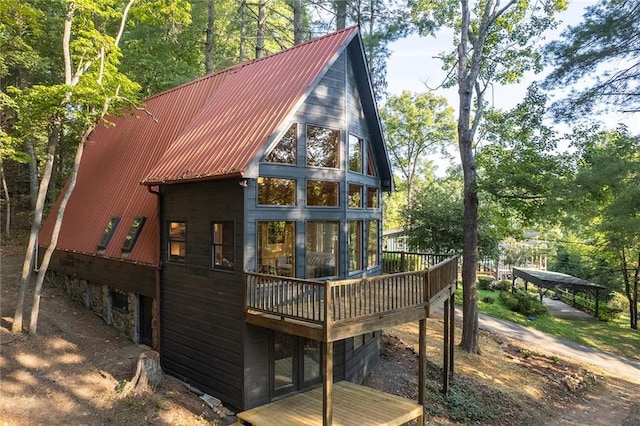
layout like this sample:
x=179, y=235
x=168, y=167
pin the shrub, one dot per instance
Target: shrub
x=504, y=285
x=523, y=303
x=488, y=300
x=609, y=314
x=484, y=282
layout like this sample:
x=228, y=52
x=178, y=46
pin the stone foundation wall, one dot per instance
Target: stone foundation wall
x=98, y=298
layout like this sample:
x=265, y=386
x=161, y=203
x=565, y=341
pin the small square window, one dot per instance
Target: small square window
x=108, y=232
x=322, y=193
x=133, y=234
x=223, y=245
x=355, y=196
x=119, y=300
x=276, y=192
x=177, y=242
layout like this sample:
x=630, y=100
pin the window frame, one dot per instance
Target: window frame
x=269, y=253
x=360, y=144
x=132, y=236
x=358, y=245
x=335, y=250
x=369, y=189
x=333, y=183
x=119, y=300
x=261, y=184
x=361, y=190
x=171, y=258
x=108, y=232
x=222, y=246
x=338, y=149
x=369, y=251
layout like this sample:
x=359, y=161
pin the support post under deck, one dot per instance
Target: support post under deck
x=446, y=347
x=422, y=370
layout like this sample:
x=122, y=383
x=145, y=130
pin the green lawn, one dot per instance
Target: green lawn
x=613, y=337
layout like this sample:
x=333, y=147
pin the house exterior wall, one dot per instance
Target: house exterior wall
x=202, y=325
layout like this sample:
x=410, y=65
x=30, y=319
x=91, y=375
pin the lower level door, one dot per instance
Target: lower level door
x=295, y=364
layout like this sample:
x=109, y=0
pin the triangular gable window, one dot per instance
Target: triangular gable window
x=108, y=232
x=134, y=233
x=371, y=167
x=285, y=151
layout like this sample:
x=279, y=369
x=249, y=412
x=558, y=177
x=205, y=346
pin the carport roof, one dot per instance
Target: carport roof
x=554, y=279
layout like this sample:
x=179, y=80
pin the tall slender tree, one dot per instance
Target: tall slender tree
x=495, y=43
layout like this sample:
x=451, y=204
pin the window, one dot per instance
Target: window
x=355, y=245
x=276, y=248
x=108, y=232
x=119, y=300
x=372, y=244
x=223, y=245
x=276, y=191
x=177, y=242
x=322, y=193
x=355, y=154
x=322, y=249
x=355, y=196
x=323, y=147
x=372, y=197
x=133, y=234
x=285, y=151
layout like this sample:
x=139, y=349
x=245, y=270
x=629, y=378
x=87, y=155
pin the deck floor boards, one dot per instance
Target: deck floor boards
x=352, y=405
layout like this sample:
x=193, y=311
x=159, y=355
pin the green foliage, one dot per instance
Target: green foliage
x=523, y=303
x=503, y=285
x=599, y=59
x=485, y=282
x=488, y=300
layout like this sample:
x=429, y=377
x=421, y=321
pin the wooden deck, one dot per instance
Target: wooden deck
x=335, y=310
x=353, y=405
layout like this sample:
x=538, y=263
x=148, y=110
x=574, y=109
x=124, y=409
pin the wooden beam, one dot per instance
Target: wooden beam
x=446, y=348
x=452, y=327
x=422, y=370
x=327, y=384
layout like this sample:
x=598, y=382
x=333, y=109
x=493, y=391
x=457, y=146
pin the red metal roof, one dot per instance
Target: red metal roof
x=211, y=127
x=233, y=125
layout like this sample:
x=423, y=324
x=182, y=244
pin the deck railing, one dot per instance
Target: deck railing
x=348, y=300
x=400, y=261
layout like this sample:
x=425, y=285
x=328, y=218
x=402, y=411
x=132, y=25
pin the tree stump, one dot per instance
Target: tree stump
x=148, y=374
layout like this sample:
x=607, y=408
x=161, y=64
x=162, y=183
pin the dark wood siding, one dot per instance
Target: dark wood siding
x=360, y=362
x=202, y=323
x=115, y=273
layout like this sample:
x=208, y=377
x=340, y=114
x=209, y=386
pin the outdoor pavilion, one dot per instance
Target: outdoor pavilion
x=551, y=280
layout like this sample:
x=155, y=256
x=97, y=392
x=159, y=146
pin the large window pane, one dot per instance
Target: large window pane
x=355, y=245
x=223, y=244
x=276, y=248
x=276, y=191
x=286, y=150
x=372, y=243
x=355, y=196
x=323, y=147
x=322, y=193
x=355, y=154
x=284, y=352
x=322, y=249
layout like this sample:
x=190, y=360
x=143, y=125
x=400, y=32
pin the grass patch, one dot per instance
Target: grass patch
x=614, y=337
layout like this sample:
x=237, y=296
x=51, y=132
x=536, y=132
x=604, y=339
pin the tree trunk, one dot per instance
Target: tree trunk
x=466, y=80
x=33, y=174
x=208, y=44
x=7, y=200
x=341, y=14
x=44, y=266
x=260, y=32
x=148, y=374
x=29, y=260
x=298, y=31
x=243, y=31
